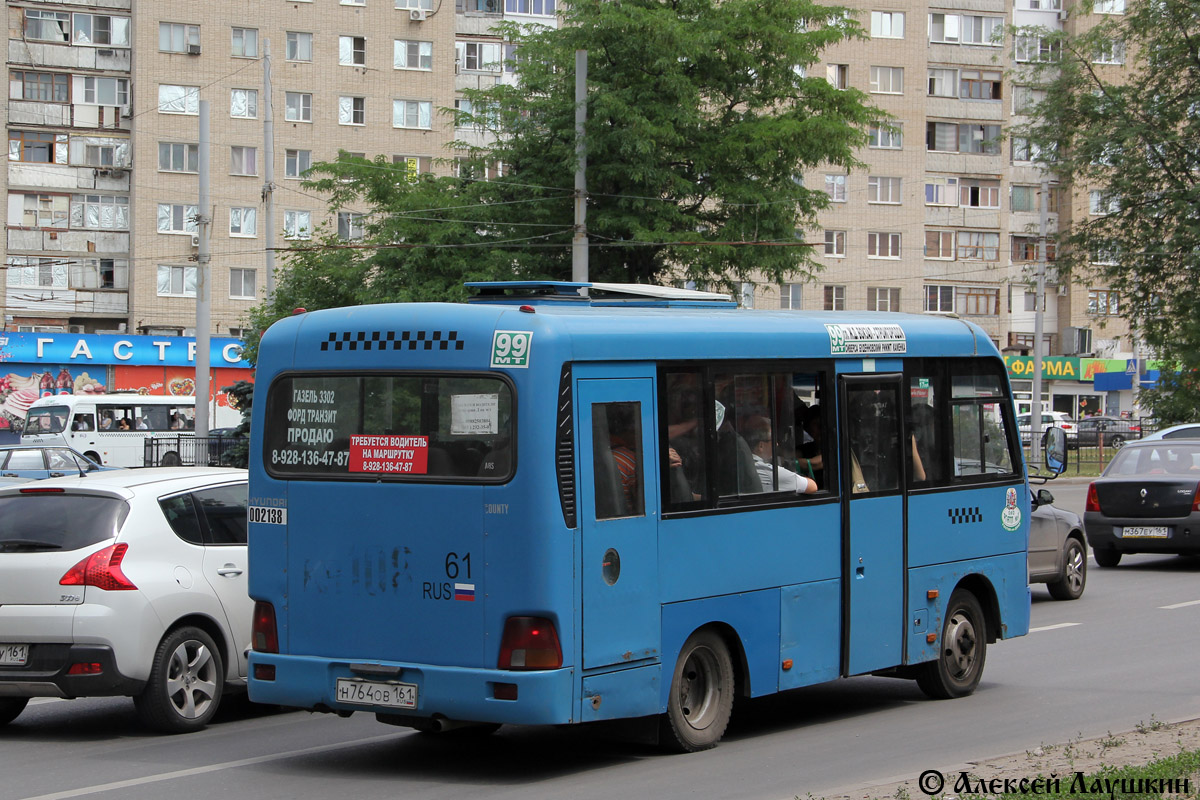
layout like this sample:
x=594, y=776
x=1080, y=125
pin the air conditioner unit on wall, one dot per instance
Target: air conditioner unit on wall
x=195, y=240
x=78, y=329
x=418, y=14
x=193, y=49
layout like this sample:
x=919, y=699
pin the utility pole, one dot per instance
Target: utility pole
x=268, y=191
x=203, y=287
x=579, y=243
x=1035, y=409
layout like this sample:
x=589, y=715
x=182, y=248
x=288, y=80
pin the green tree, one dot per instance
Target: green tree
x=1127, y=140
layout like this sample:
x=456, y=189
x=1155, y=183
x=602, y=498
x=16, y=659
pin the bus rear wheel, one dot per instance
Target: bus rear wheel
x=701, y=697
x=963, y=650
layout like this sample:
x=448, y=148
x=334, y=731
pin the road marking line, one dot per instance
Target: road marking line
x=184, y=773
x=1054, y=627
x=1181, y=605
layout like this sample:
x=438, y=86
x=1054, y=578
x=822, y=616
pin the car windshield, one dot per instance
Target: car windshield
x=1167, y=458
x=56, y=521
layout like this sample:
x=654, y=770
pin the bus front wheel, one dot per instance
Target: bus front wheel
x=963, y=649
x=701, y=696
x=94, y=456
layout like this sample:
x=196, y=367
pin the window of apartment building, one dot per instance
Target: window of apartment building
x=243, y=221
x=243, y=103
x=296, y=163
x=37, y=147
x=100, y=212
x=887, y=24
x=1025, y=248
x=243, y=160
x=974, y=138
x=176, y=218
x=1028, y=198
x=941, y=191
x=176, y=281
x=838, y=75
x=1103, y=303
x=107, y=91
x=835, y=244
x=977, y=301
x=939, y=244
x=978, y=246
x=835, y=298
x=244, y=43
x=352, y=111
x=352, y=2
x=887, y=80
x=352, y=50
x=1100, y=204
x=299, y=46
x=1109, y=7
x=100, y=29
x=242, y=284
x=412, y=114
x=982, y=30
x=174, y=37
x=835, y=187
x=33, y=272
x=883, y=245
x=943, y=82
x=99, y=273
x=544, y=8
x=886, y=137
x=791, y=296
x=979, y=193
x=478, y=56
x=99, y=152
x=883, y=190
x=297, y=106
x=409, y=54
x=1111, y=51
x=178, y=157
x=941, y=136
x=47, y=26
x=939, y=298
x=1024, y=150
x=882, y=299
x=1045, y=5
x=1029, y=48
x=297, y=224
x=350, y=226
x=175, y=99
x=414, y=165
x=29, y=210
x=46, y=87
x=484, y=6
x=944, y=28
x=980, y=84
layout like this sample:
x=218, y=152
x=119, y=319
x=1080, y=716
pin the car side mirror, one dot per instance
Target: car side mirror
x=1056, y=450
x=1044, y=498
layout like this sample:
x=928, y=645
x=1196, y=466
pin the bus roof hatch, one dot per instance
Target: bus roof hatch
x=596, y=294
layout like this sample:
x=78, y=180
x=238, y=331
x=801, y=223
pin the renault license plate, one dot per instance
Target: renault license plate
x=376, y=693
x=1142, y=532
x=14, y=655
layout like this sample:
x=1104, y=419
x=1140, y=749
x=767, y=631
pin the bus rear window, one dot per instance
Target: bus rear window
x=405, y=427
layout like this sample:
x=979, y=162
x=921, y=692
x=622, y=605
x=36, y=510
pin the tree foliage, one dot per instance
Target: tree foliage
x=701, y=121
x=1128, y=139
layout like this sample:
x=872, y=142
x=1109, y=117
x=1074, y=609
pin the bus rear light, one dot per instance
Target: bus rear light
x=504, y=691
x=529, y=643
x=1093, y=499
x=101, y=569
x=264, y=672
x=264, y=635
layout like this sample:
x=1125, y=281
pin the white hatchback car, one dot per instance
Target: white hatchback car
x=129, y=582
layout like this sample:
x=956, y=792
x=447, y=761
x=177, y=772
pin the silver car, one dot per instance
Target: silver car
x=1057, y=550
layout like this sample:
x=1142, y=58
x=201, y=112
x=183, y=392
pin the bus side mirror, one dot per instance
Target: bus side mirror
x=1056, y=451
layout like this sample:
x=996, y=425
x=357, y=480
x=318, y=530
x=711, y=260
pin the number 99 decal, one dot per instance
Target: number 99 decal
x=511, y=348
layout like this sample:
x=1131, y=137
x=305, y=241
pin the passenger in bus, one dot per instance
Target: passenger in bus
x=123, y=425
x=622, y=438
x=142, y=425
x=811, y=460
x=758, y=437
x=684, y=431
x=106, y=421
x=81, y=424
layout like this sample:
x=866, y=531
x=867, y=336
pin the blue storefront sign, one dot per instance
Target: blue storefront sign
x=103, y=349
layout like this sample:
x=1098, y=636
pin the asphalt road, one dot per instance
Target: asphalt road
x=1125, y=653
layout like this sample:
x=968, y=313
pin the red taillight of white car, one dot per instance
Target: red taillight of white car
x=101, y=569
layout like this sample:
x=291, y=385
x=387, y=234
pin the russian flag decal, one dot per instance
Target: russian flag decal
x=464, y=591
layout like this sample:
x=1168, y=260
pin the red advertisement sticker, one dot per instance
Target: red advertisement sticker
x=389, y=455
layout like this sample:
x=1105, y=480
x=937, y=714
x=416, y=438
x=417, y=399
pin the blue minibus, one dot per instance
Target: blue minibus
x=570, y=502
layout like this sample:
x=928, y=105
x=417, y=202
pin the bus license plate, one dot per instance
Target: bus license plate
x=376, y=693
x=14, y=655
x=1141, y=532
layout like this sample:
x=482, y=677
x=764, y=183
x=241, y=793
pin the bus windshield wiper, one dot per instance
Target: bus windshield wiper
x=28, y=544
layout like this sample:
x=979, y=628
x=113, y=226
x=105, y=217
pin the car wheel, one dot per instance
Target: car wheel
x=185, y=683
x=170, y=460
x=963, y=650
x=11, y=708
x=1070, y=584
x=701, y=697
x=1118, y=442
x=1107, y=556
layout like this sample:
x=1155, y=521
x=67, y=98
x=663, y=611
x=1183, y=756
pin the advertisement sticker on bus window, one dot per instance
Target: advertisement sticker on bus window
x=862, y=340
x=474, y=414
x=390, y=455
x=511, y=349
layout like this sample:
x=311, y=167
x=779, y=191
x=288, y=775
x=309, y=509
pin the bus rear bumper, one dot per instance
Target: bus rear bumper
x=542, y=697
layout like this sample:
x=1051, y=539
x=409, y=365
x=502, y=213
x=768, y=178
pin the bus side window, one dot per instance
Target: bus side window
x=924, y=430
x=84, y=422
x=687, y=481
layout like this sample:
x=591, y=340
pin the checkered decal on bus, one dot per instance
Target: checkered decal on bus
x=393, y=340
x=962, y=516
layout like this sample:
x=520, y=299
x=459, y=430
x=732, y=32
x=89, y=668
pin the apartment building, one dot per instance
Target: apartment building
x=103, y=120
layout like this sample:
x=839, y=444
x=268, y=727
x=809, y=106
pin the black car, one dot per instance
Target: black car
x=1146, y=501
x=1106, y=431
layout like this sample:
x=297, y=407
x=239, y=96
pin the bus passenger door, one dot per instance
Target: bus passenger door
x=873, y=477
x=619, y=515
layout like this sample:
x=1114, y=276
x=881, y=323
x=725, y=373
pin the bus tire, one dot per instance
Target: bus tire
x=94, y=456
x=962, y=651
x=170, y=459
x=700, y=701
x=11, y=708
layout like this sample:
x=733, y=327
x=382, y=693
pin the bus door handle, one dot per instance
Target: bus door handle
x=229, y=571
